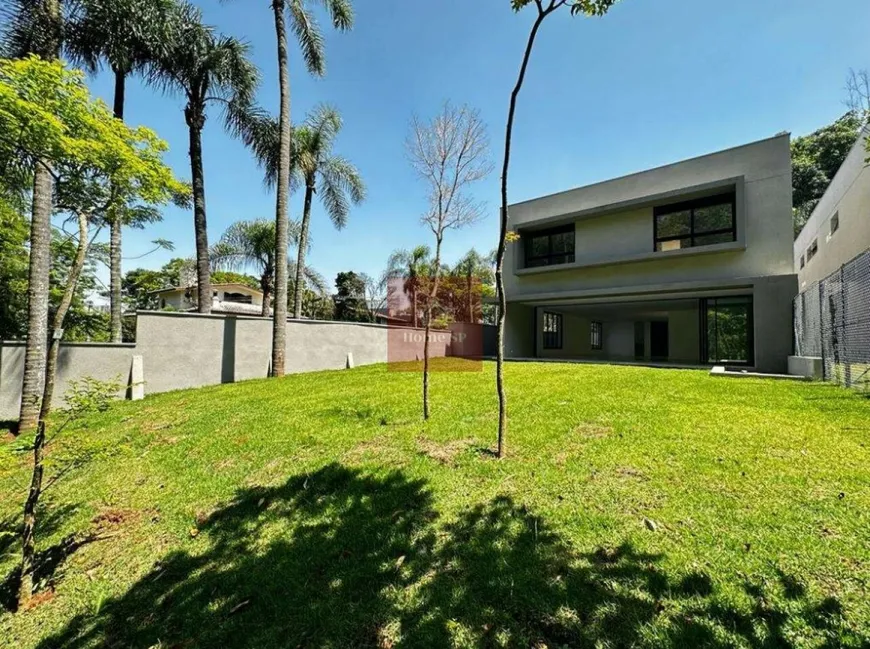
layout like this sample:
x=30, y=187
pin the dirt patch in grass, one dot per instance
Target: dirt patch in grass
x=630, y=472
x=589, y=430
x=444, y=453
x=113, y=517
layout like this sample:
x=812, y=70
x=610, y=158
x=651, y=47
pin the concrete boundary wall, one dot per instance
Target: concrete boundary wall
x=187, y=350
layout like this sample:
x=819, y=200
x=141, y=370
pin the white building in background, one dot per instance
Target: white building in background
x=226, y=298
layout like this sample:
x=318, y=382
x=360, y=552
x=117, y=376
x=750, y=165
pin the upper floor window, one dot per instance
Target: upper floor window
x=552, y=330
x=700, y=222
x=802, y=261
x=835, y=222
x=812, y=250
x=549, y=247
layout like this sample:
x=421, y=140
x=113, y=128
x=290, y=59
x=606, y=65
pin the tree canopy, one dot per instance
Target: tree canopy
x=816, y=158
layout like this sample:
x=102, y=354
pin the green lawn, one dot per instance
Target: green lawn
x=637, y=507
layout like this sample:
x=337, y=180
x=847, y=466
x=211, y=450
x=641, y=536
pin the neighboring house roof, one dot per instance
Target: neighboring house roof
x=173, y=289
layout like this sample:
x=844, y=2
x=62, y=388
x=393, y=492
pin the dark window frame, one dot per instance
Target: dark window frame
x=553, y=338
x=812, y=250
x=691, y=206
x=835, y=223
x=548, y=259
x=596, y=335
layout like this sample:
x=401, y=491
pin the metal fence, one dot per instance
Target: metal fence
x=832, y=321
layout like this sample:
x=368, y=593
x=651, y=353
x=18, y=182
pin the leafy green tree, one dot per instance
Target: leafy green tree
x=310, y=40
x=412, y=266
x=35, y=27
x=815, y=160
x=13, y=274
x=350, y=297
x=544, y=8
x=476, y=272
x=127, y=35
x=205, y=68
x=94, y=160
x=230, y=277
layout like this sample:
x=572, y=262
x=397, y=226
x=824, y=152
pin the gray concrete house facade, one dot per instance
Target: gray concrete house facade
x=686, y=264
x=838, y=230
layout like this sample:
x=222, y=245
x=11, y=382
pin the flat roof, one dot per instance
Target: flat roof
x=786, y=134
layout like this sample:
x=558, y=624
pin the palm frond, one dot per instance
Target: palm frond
x=308, y=35
x=340, y=185
x=341, y=13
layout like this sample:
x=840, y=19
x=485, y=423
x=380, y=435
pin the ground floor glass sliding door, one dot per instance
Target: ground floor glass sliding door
x=726, y=330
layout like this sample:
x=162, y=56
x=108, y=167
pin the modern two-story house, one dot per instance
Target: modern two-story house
x=688, y=264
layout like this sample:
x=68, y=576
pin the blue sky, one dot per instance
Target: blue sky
x=653, y=82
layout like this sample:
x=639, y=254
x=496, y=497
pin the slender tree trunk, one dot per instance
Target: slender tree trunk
x=37, y=298
x=60, y=315
x=303, y=244
x=503, y=221
x=279, y=326
x=470, y=300
x=266, y=287
x=196, y=121
x=115, y=276
x=28, y=548
x=115, y=229
x=414, y=302
x=428, y=326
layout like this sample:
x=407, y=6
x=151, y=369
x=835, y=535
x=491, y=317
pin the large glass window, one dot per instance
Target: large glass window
x=552, y=330
x=549, y=247
x=595, y=335
x=701, y=222
x=726, y=330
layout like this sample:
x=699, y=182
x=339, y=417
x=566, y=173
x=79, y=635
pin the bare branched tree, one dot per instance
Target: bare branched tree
x=375, y=294
x=450, y=153
x=858, y=89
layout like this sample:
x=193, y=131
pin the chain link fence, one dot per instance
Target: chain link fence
x=832, y=321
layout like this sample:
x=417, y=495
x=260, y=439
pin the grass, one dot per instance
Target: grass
x=637, y=507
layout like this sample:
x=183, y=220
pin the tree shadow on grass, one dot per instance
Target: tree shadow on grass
x=344, y=558
x=48, y=560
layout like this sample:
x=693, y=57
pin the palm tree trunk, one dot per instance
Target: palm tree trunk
x=115, y=230
x=503, y=220
x=428, y=326
x=414, y=303
x=195, y=122
x=279, y=325
x=37, y=298
x=266, y=287
x=300, y=254
x=28, y=548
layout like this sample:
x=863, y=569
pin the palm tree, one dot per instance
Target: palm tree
x=250, y=245
x=127, y=35
x=473, y=266
x=35, y=27
x=310, y=39
x=332, y=177
x=205, y=68
x=411, y=266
